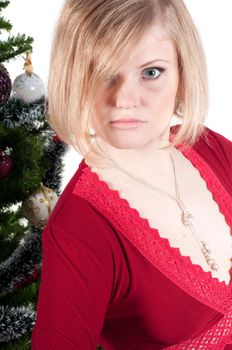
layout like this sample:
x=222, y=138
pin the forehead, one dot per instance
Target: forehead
x=154, y=44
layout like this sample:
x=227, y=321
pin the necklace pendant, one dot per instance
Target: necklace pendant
x=207, y=254
x=205, y=249
x=214, y=267
x=186, y=218
x=212, y=263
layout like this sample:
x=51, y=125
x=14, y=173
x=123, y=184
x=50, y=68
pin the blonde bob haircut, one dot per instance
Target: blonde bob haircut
x=92, y=41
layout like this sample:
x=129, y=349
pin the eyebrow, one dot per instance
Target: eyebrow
x=153, y=61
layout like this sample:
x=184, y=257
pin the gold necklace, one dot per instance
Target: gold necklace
x=186, y=215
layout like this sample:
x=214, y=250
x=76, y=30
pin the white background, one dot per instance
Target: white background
x=213, y=19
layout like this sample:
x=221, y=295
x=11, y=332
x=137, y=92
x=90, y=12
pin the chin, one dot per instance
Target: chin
x=126, y=144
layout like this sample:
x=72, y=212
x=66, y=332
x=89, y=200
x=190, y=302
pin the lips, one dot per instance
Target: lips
x=127, y=120
x=126, y=124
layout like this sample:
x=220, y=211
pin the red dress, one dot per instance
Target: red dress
x=110, y=279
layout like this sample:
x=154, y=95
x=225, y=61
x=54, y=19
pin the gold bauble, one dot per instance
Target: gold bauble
x=39, y=205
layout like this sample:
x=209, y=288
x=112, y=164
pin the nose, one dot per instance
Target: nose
x=126, y=96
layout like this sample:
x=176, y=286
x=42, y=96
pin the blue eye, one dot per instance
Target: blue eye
x=153, y=72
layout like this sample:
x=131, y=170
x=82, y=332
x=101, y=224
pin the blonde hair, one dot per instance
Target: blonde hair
x=93, y=39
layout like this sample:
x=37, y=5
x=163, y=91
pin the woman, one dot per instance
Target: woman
x=137, y=253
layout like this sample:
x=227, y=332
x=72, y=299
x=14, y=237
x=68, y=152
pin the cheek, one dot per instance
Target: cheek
x=165, y=94
x=158, y=99
x=99, y=117
x=162, y=100
x=100, y=108
x=98, y=113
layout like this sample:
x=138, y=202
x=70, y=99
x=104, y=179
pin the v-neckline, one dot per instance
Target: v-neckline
x=127, y=219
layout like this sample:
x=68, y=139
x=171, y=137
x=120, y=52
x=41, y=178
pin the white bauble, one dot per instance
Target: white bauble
x=28, y=87
x=38, y=207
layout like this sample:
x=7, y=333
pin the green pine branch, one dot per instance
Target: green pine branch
x=4, y=4
x=11, y=231
x=14, y=46
x=23, y=296
x=5, y=25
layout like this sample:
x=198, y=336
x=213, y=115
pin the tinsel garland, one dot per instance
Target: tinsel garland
x=15, y=322
x=25, y=261
x=54, y=153
x=17, y=114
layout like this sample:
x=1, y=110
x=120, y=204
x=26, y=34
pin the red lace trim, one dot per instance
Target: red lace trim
x=214, y=339
x=180, y=269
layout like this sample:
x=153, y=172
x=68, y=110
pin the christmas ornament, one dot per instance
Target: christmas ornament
x=6, y=164
x=38, y=207
x=28, y=86
x=56, y=138
x=5, y=84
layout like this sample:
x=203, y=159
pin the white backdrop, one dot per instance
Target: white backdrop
x=213, y=19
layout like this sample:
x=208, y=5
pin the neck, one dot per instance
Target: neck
x=148, y=156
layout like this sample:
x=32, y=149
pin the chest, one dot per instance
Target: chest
x=164, y=214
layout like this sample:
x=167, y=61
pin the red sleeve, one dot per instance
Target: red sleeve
x=217, y=151
x=225, y=147
x=76, y=279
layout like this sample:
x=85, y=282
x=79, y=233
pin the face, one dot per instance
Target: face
x=135, y=108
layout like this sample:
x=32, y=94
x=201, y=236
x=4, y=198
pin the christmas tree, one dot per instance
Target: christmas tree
x=30, y=176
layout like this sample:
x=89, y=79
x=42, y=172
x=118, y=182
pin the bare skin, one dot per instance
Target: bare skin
x=208, y=221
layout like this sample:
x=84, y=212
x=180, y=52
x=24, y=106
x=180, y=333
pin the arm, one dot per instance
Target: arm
x=76, y=283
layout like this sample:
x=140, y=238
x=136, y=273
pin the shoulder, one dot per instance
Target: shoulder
x=212, y=145
x=216, y=150
x=75, y=217
x=78, y=231
x=221, y=144
x=216, y=146
x=72, y=210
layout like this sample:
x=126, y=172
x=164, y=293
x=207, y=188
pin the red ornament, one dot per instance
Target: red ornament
x=5, y=84
x=56, y=138
x=6, y=164
x=29, y=278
